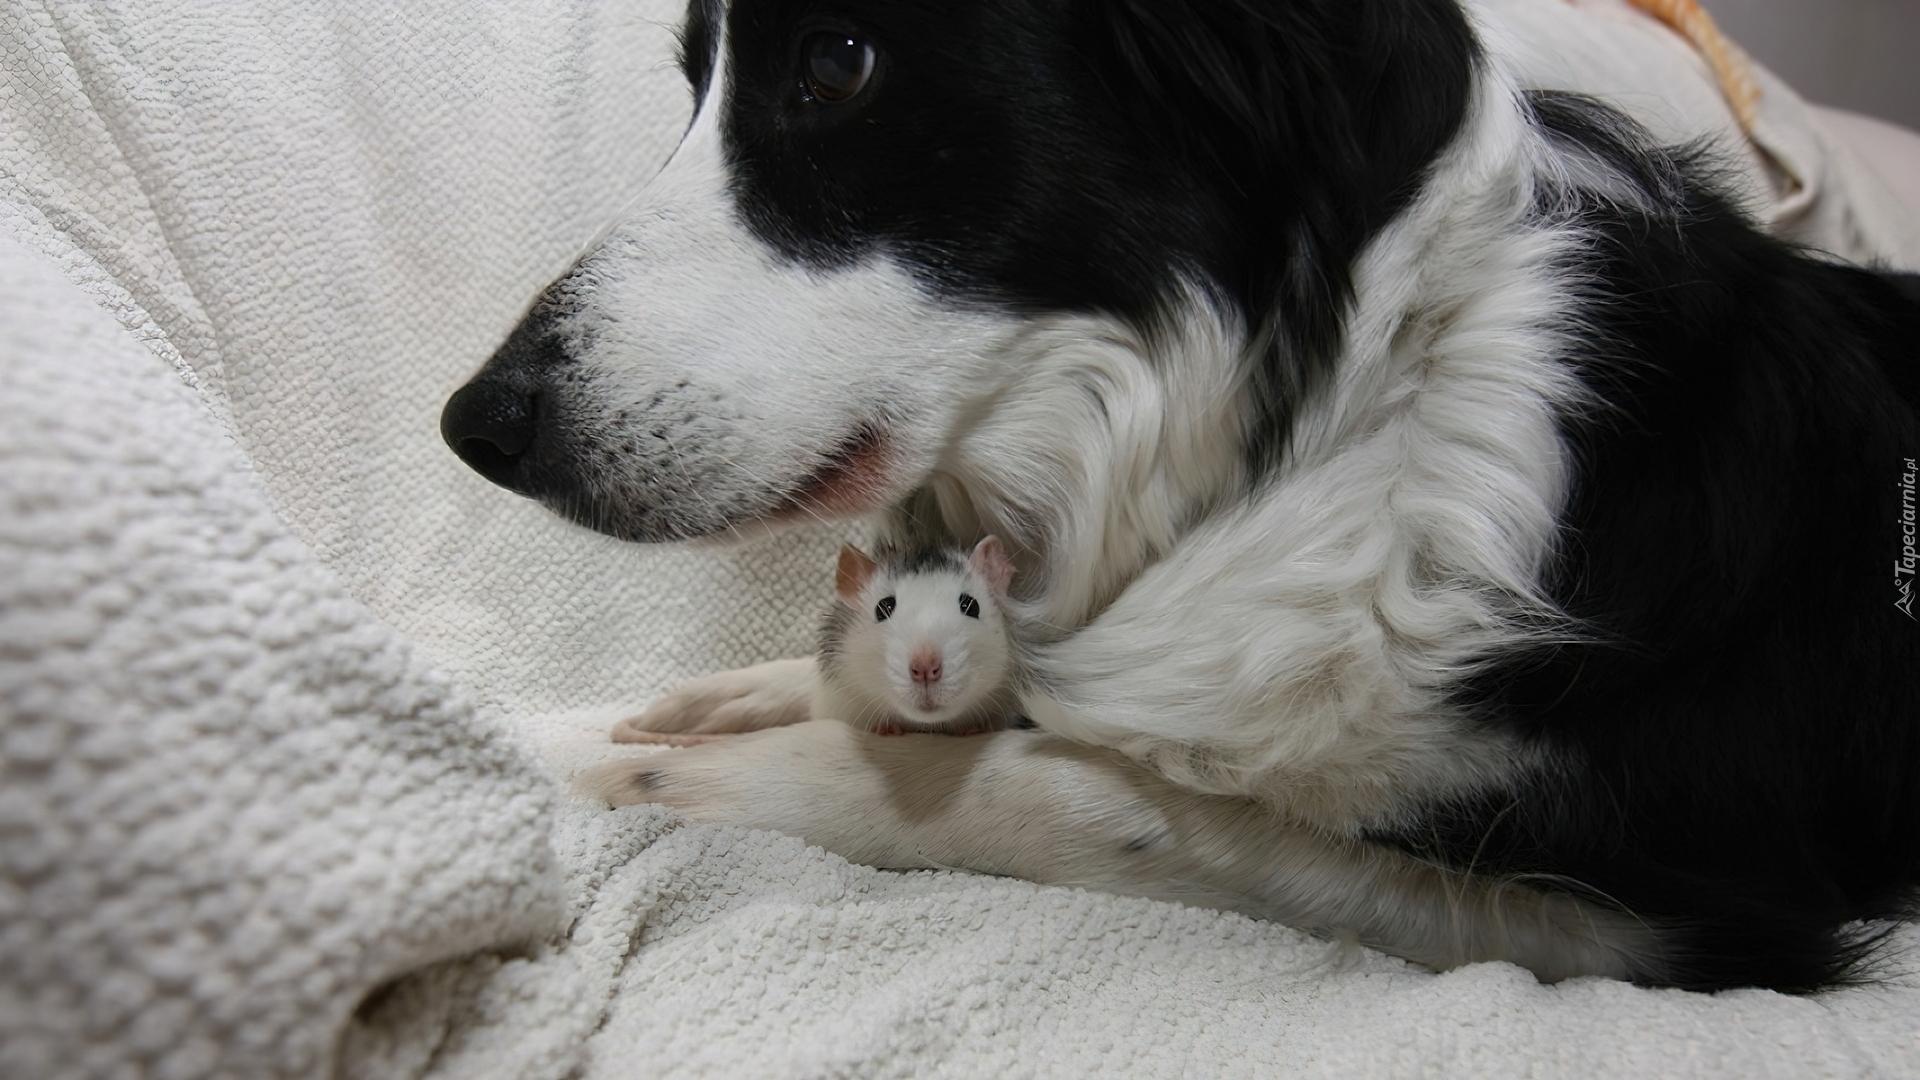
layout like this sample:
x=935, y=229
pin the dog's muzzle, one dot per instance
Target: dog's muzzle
x=543, y=422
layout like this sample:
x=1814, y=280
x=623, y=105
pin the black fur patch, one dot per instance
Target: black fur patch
x=1083, y=155
x=700, y=45
x=1735, y=751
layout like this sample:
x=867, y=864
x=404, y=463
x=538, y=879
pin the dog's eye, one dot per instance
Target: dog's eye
x=883, y=610
x=969, y=606
x=835, y=65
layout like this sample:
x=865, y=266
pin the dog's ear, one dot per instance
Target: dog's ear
x=1314, y=120
x=990, y=562
x=1225, y=67
x=855, y=570
x=1338, y=87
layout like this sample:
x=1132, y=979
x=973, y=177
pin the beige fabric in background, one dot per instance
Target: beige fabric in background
x=323, y=216
x=1803, y=180
x=1891, y=153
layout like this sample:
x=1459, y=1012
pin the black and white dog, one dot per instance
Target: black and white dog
x=1441, y=517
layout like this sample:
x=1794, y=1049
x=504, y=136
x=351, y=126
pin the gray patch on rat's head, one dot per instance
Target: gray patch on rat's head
x=893, y=563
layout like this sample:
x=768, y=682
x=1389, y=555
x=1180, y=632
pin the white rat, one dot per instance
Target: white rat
x=919, y=642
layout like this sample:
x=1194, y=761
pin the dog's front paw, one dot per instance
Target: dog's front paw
x=822, y=781
x=710, y=782
x=773, y=694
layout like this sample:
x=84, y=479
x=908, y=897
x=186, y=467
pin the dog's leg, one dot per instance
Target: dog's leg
x=772, y=694
x=1033, y=806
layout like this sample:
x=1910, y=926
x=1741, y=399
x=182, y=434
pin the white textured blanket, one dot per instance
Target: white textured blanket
x=291, y=697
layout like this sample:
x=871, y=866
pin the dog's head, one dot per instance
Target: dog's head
x=841, y=267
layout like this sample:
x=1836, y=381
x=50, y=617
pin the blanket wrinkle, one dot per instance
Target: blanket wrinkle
x=234, y=801
x=291, y=699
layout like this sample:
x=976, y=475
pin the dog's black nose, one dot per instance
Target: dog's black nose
x=494, y=421
x=490, y=423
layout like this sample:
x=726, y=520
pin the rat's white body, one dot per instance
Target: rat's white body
x=939, y=660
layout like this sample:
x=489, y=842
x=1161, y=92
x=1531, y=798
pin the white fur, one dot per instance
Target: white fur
x=736, y=374
x=1271, y=661
x=772, y=694
x=1296, y=646
x=1031, y=806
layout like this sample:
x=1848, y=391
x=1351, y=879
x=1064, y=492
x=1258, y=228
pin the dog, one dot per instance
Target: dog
x=1441, y=517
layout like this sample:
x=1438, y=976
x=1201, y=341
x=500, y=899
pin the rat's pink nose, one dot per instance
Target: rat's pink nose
x=925, y=667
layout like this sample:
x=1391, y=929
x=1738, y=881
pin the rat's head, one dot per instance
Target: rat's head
x=889, y=218
x=925, y=633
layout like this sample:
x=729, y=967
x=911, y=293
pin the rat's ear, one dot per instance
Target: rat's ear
x=854, y=573
x=989, y=560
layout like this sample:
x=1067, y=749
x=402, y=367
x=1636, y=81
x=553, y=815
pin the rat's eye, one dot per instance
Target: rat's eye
x=883, y=610
x=969, y=606
x=835, y=65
